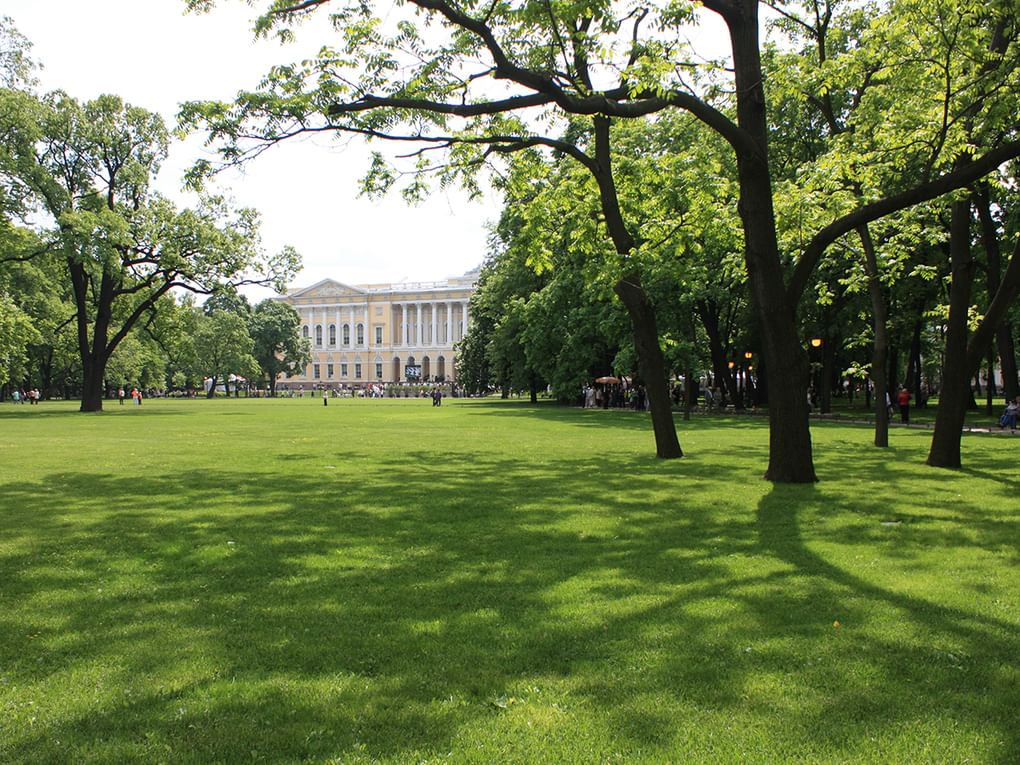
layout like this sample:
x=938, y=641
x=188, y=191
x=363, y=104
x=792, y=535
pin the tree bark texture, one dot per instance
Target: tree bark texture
x=790, y=458
x=955, y=392
x=639, y=308
x=651, y=364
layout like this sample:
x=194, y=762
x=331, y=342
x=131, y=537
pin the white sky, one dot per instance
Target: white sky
x=154, y=56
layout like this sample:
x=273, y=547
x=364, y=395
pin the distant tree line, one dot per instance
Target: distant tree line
x=96, y=267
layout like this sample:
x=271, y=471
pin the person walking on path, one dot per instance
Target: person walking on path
x=903, y=399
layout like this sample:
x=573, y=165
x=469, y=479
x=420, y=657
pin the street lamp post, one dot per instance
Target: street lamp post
x=748, y=391
x=816, y=343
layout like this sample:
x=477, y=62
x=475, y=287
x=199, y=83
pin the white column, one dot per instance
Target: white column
x=368, y=330
x=449, y=323
x=433, y=340
x=420, y=329
x=339, y=329
x=465, y=316
x=403, y=323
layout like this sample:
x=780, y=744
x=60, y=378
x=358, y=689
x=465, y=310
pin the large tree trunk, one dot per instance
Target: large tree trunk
x=790, y=459
x=651, y=364
x=94, y=351
x=955, y=393
x=92, y=385
x=635, y=300
x=880, y=327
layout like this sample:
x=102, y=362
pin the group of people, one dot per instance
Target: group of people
x=19, y=396
x=604, y=396
x=136, y=396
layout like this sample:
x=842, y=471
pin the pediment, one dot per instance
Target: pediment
x=327, y=288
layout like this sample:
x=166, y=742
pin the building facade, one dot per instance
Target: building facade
x=382, y=333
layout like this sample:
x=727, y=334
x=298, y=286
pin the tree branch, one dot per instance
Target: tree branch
x=955, y=179
x=299, y=7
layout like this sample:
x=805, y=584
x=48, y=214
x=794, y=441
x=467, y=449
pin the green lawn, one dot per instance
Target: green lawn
x=487, y=582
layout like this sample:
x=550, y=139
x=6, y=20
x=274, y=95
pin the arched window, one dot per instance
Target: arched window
x=318, y=334
x=332, y=334
x=361, y=334
x=304, y=331
x=347, y=334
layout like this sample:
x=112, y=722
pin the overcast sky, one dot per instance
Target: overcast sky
x=154, y=56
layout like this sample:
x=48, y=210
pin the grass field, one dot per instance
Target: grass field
x=487, y=582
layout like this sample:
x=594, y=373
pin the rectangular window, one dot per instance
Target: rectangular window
x=343, y=370
x=315, y=371
x=378, y=335
x=329, y=371
x=357, y=371
x=378, y=371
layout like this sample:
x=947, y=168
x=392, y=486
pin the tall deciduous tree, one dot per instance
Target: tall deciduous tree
x=500, y=69
x=16, y=65
x=223, y=347
x=279, y=348
x=90, y=167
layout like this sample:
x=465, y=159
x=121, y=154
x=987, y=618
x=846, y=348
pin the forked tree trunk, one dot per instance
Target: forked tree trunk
x=790, y=459
x=1003, y=336
x=963, y=357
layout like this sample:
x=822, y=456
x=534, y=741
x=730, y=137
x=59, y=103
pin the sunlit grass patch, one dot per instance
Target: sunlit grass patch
x=384, y=581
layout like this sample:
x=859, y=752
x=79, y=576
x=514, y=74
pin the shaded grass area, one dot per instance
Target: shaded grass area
x=381, y=581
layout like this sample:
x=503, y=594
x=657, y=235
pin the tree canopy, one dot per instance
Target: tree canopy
x=88, y=169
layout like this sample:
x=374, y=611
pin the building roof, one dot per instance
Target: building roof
x=333, y=288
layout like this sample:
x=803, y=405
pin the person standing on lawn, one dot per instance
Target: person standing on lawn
x=903, y=399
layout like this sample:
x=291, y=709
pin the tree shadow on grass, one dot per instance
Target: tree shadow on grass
x=229, y=616
x=561, y=413
x=956, y=664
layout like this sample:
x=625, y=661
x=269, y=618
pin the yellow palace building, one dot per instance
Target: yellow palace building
x=382, y=333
